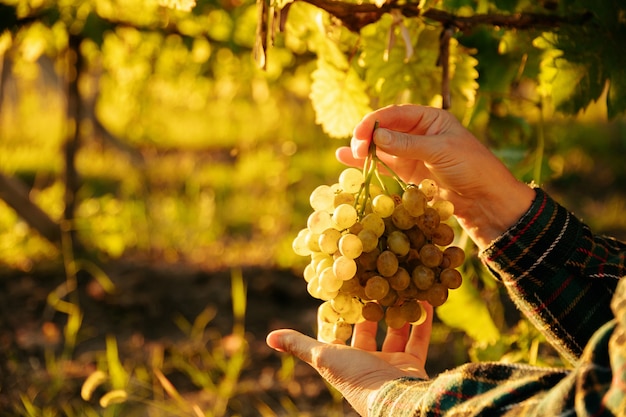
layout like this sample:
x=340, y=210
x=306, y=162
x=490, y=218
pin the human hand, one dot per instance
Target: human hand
x=419, y=142
x=359, y=371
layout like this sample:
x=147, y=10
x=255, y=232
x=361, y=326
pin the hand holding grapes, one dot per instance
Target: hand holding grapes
x=359, y=371
x=419, y=142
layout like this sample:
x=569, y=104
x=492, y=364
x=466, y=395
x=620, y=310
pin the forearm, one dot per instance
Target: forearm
x=558, y=273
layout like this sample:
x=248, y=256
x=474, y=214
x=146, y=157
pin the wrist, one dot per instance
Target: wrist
x=489, y=217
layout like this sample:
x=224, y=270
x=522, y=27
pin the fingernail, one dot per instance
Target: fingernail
x=382, y=137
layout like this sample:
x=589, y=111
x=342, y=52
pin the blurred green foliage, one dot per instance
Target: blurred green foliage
x=189, y=153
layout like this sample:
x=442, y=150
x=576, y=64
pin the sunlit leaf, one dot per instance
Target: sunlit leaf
x=338, y=98
x=465, y=310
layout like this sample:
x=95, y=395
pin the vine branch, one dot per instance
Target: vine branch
x=356, y=16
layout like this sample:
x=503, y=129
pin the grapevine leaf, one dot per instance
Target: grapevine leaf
x=338, y=98
x=465, y=310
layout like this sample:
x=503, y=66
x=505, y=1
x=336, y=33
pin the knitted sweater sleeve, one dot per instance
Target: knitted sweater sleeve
x=567, y=281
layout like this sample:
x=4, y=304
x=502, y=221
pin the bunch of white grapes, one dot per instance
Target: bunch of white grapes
x=375, y=256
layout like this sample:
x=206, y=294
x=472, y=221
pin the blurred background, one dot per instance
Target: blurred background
x=154, y=172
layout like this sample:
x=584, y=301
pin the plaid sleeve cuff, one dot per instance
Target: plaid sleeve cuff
x=539, y=244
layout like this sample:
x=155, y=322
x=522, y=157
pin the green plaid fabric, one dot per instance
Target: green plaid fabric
x=569, y=284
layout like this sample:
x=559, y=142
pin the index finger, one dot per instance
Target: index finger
x=406, y=118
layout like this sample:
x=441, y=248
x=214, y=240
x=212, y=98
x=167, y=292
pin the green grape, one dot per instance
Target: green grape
x=341, y=303
x=414, y=312
x=343, y=198
x=394, y=317
x=454, y=256
x=354, y=313
x=411, y=311
x=327, y=314
x=437, y=294
x=400, y=280
x=429, y=188
x=376, y=288
x=375, y=223
x=313, y=287
x=401, y=218
x=387, y=263
x=430, y=255
x=390, y=299
x=383, y=205
x=328, y=240
x=342, y=331
x=398, y=243
x=344, y=268
x=444, y=208
x=451, y=278
x=350, y=246
x=311, y=240
x=344, y=216
x=321, y=199
x=309, y=272
x=428, y=221
x=319, y=221
x=322, y=263
x=414, y=201
x=351, y=179
x=325, y=332
x=328, y=281
x=442, y=235
x=351, y=287
x=367, y=260
x=372, y=311
x=300, y=245
x=423, y=277
x=416, y=237
x=368, y=239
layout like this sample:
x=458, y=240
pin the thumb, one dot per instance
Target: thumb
x=291, y=341
x=422, y=147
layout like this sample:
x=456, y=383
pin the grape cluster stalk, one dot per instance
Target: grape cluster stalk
x=375, y=255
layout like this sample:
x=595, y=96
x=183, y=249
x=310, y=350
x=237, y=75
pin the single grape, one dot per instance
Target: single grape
x=319, y=221
x=437, y=294
x=351, y=287
x=351, y=180
x=341, y=303
x=451, y=278
x=442, y=235
x=350, y=246
x=428, y=221
x=325, y=332
x=423, y=277
x=312, y=243
x=376, y=287
x=398, y=243
x=444, y=208
x=416, y=237
x=454, y=255
x=394, y=317
x=342, y=331
x=369, y=240
x=343, y=198
x=327, y=314
x=322, y=263
x=390, y=299
x=414, y=201
x=328, y=240
x=383, y=205
x=328, y=281
x=313, y=287
x=354, y=312
x=309, y=272
x=400, y=280
x=430, y=255
x=372, y=311
x=356, y=228
x=429, y=188
x=411, y=310
x=300, y=245
x=387, y=263
x=375, y=223
x=344, y=216
x=367, y=260
x=322, y=198
x=401, y=218
x=344, y=268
